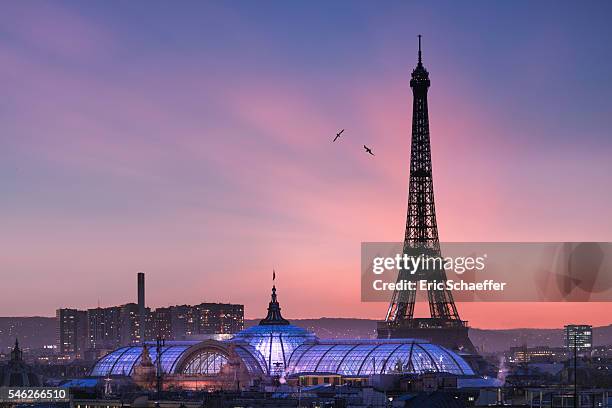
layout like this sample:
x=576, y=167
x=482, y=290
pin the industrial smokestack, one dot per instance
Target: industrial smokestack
x=141, y=306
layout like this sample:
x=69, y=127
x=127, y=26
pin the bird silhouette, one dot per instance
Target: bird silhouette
x=368, y=150
x=338, y=135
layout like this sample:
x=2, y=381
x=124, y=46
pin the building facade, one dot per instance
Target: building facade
x=129, y=323
x=71, y=331
x=536, y=354
x=104, y=327
x=579, y=336
x=186, y=322
x=159, y=324
x=112, y=327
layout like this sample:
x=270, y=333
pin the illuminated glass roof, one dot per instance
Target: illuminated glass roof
x=123, y=360
x=277, y=348
x=363, y=357
x=273, y=344
x=291, y=350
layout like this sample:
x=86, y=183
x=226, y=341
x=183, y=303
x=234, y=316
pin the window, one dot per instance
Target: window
x=205, y=362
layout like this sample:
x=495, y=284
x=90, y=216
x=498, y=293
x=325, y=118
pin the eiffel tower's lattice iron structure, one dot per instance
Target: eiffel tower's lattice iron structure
x=421, y=237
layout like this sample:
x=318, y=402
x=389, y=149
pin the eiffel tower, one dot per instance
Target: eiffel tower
x=444, y=327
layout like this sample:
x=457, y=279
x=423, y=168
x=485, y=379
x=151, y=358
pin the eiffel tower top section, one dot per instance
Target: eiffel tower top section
x=420, y=76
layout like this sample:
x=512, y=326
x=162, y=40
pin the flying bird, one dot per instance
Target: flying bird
x=368, y=150
x=338, y=135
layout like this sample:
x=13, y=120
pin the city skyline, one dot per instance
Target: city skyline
x=195, y=146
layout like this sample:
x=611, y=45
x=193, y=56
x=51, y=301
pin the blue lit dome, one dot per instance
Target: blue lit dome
x=360, y=358
x=274, y=338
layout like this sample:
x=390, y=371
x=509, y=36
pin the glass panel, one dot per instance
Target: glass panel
x=262, y=345
x=290, y=343
x=277, y=357
x=205, y=363
x=253, y=363
x=125, y=363
x=354, y=359
x=377, y=359
x=295, y=357
x=275, y=343
x=443, y=361
x=256, y=355
x=104, y=366
x=330, y=362
x=463, y=365
x=311, y=358
x=398, y=360
x=170, y=356
x=421, y=361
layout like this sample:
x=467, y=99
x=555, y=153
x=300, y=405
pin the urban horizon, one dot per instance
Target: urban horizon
x=421, y=305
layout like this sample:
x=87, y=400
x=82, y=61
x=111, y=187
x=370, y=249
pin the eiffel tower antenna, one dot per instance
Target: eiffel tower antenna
x=420, y=59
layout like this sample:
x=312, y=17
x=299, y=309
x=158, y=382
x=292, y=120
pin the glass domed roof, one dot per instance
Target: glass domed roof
x=280, y=349
x=366, y=357
x=274, y=338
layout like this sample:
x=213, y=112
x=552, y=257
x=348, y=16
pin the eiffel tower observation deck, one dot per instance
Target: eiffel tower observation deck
x=444, y=326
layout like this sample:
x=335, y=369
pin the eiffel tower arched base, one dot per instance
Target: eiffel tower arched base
x=451, y=334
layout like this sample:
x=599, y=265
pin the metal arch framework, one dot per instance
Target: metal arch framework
x=321, y=358
x=431, y=358
x=207, y=362
x=193, y=356
x=176, y=358
x=223, y=350
x=345, y=355
x=125, y=358
x=254, y=357
x=310, y=346
x=366, y=358
x=410, y=362
x=384, y=367
x=119, y=359
x=347, y=358
x=455, y=361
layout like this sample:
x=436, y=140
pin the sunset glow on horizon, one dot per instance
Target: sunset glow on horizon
x=193, y=143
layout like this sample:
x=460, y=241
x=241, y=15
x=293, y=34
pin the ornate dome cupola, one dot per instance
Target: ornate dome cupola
x=274, y=338
x=274, y=316
x=17, y=373
x=16, y=353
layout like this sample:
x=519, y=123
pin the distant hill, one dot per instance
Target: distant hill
x=32, y=332
x=498, y=340
x=35, y=332
x=334, y=328
x=487, y=340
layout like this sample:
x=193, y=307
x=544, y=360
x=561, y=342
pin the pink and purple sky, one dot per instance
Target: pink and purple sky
x=192, y=141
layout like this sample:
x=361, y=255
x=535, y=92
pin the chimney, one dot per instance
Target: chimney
x=141, y=306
